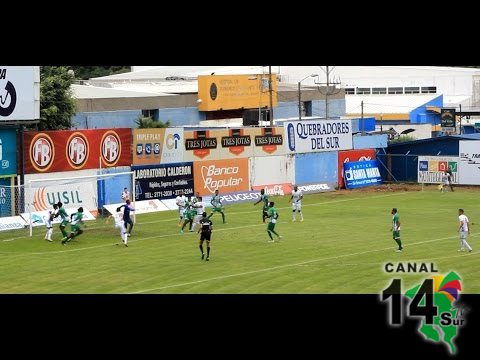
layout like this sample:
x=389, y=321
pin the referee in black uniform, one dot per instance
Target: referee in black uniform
x=206, y=234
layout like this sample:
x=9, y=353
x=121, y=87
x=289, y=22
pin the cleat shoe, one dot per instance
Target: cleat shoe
x=470, y=250
x=126, y=245
x=301, y=220
x=399, y=250
x=271, y=241
x=460, y=250
x=207, y=259
x=293, y=220
x=181, y=231
x=203, y=256
x=280, y=237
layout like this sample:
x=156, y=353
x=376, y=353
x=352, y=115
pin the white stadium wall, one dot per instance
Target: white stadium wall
x=271, y=170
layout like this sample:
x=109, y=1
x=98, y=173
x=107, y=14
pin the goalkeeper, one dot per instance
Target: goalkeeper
x=297, y=197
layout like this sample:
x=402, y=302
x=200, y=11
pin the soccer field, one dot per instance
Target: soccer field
x=340, y=248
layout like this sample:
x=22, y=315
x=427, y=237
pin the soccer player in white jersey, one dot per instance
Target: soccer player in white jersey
x=120, y=225
x=200, y=207
x=297, y=197
x=464, y=230
x=125, y=194
x=49, y=223
x=181, y=200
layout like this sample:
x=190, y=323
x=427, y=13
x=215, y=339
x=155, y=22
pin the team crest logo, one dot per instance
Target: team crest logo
x=42, y=152
x=110, y=148
x=8, y=100
x=77, y=150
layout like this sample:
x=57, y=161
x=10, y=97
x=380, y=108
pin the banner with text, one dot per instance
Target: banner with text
x=42, y=195
x=318, y=135
x=12, y=223
x=225, y=175
x=361, y=173
x=157, y=146
x=141, y=207
x=352, y=156
x=65, y=150
x=431, y=169
x=469, y=164
x=163, y=181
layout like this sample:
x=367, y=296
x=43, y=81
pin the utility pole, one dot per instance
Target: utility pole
x=327, y=71
x=460, y=127
x=361, y=121
x=271, y=95
x=299, y=102
x=326, y=94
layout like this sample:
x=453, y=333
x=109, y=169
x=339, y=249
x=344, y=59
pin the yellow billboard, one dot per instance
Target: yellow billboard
x=228, y=92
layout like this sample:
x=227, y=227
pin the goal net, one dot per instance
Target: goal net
x=91, y=192
x=11, y=206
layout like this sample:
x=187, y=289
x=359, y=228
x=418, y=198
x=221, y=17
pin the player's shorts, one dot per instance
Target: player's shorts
x=217, y=209
x=205, y=236
x=181, y=212
x=463, y=235
x=197, y=219
x=270, y=226
x=64, y=223
x=396, y=235
x=297, y=205
x=75, y=228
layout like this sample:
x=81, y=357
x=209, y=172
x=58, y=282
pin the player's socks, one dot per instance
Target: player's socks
x=201, y=249
x=275, y=232
x=269, y=234
x=223, y=217
x=208, y=252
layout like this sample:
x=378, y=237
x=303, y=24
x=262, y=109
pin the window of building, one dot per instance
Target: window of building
x=412, y=90
x=151, y=113
x=429, y=90
x=349, y=91
x=363, y=91
x=395, y=90
x=377, y=91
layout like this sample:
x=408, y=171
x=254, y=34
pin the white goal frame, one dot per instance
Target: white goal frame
x=52, y=181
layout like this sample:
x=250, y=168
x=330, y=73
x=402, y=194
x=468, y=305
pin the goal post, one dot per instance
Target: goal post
x=91, y=192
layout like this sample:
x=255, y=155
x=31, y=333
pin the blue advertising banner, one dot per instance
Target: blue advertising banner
x=361, y=173
x=163, y=181
x=8, y=152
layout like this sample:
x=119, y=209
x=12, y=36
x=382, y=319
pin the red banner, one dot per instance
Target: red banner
x=351, y=156
x=67, y=150
x=275, y=189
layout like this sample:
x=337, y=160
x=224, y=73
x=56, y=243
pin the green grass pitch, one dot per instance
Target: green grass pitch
x=340, y=248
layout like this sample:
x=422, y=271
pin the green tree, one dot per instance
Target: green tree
x=402, y=138
x=149, y=123
x=57, y=105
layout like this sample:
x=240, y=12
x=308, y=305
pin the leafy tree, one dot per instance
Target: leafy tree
x=57, y=105
x=87, y=72
x=149, y=123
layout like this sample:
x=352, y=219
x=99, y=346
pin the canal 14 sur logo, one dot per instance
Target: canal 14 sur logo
x=434, y=301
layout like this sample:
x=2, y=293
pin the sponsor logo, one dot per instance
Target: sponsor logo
x=236, y=142
x=291, y=137
x=201, y=144
x=42, y=152
x=172, y=141
x=43, y=200
x=148, y=149
x=8, y=98
x=240, y=197
x=314, y=188
x=77, y=149
x=111, y=148
x=361, y=158
x=139, y=149
x=12, y=222
x=219, y=177
x=213, y=91
x=276, y=189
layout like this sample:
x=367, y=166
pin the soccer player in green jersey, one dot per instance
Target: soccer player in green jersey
x=63, y=214
x=74, y=225
x=188, y=214
x=217, y=206
x=264, y=198
x=273, y=215
x=396, y=229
